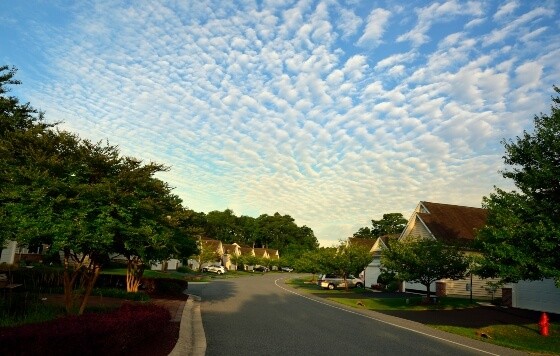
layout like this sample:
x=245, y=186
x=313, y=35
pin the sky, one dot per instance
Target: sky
x=332, y=112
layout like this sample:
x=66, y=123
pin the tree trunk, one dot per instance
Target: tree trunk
x=70, y=276
x=89, y=287
x=428, y=296
x=134, y=273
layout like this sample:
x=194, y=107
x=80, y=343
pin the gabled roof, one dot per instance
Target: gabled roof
x=449, y=223
x=273, y=254
x=230, y=248
x=260, y=252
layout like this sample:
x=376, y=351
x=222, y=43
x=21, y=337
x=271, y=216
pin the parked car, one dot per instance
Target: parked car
x=260, y=269
x=214, y=269
x=287, y=269
x=332, y=281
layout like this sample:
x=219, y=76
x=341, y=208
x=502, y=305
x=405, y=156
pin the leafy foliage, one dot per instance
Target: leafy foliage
x=424, y=261
x=521, y=239
x=390, y=224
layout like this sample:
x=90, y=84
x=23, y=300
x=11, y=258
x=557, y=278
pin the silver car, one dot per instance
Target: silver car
x=331, y=281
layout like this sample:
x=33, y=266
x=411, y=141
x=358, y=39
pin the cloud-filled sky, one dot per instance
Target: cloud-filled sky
x=333, y=112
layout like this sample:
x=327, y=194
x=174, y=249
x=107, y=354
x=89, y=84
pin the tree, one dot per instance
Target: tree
x=364, y=233
x=392, y=223
x=148, y=220
x=18, y=124
x=424, y=261
x=310, y=261
x=345, y=260
x=521, y=238
x=207, y=253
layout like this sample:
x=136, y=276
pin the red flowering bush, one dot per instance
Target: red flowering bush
x=90, y=334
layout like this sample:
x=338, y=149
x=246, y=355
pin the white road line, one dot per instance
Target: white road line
x=381, y=321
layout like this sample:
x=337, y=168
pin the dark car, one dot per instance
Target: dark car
x=260, y=269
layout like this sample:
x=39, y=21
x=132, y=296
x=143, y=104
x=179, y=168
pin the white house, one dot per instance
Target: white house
x=375, y=247
x=453, y=224
x=533, y=295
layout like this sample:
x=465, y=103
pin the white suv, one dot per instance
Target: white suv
x=214, y=269
x=331, y=281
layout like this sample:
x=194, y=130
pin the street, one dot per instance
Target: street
x=261, y=315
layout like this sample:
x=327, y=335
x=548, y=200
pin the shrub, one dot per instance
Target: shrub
x=184, y=269
x=164, y=286
x=90, y=334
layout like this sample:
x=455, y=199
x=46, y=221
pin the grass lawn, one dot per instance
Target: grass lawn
x=519, y=336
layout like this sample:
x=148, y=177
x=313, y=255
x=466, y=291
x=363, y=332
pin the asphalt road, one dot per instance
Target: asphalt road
x=261, y=315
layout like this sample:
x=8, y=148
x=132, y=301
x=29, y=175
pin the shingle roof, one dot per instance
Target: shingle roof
x=450, y=223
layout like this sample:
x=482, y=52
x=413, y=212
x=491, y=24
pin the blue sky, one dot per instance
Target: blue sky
x=334, y=112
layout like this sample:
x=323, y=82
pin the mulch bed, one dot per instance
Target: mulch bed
x=166, y=340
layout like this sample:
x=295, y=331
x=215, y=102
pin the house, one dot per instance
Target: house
x=12, y=254
x=533, y=295
x=453, y=224
x=210, y=248
x=375, y=247
x=230, y=250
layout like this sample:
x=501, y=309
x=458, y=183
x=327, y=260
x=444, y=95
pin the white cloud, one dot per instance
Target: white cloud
x=434, y=13
x=506, y=9
x=375, y=28
x=269, y=107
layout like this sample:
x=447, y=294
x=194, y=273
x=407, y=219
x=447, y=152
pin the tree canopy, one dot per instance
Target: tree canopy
x=279, y=232
x=79, y=197
x=424, y=261
x=521, y=238
x=389, y=224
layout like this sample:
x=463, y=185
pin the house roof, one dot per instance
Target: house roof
x=246, y=250
x=230, y=248
x=452, y=223
x=260, y=252
x=273, y=254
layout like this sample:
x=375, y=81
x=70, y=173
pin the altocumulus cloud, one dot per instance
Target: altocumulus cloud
x=332, y=112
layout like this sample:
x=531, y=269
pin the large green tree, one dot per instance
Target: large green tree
x=79, y=197
x=521, y=238
x=148, y=220
x=424, y=261
x=391, y=223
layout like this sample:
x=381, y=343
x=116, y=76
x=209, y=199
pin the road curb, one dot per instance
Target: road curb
x=192, y=339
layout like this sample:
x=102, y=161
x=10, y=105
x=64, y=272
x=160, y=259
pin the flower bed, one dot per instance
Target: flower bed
x=112, y=333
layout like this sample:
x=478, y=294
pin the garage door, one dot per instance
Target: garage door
x=537, y=295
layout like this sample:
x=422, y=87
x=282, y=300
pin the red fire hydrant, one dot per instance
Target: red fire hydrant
x=543, y=324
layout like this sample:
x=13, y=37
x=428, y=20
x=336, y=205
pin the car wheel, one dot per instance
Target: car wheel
x=331, y=286
x=359, y=285
x=219, y=272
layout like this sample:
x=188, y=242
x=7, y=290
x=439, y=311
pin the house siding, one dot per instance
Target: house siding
x=480, y=290
x=536, y=295
x=419, y=230
x=8, y=253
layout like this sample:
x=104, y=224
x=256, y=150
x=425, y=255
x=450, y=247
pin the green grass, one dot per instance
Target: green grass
x=522, y=337
x=33, y=314
x=120, y=293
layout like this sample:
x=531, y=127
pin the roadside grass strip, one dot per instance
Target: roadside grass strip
x=521, y=337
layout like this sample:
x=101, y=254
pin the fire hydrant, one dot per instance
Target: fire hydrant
x=543, y=324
